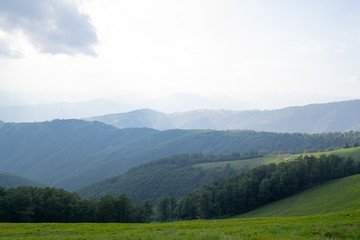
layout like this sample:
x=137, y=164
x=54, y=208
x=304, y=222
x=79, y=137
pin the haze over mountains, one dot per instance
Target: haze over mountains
x=314, y=118
x=34, y=106
x=12, y=181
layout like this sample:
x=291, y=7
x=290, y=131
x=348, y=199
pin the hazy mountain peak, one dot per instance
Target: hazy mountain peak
x=314, y=118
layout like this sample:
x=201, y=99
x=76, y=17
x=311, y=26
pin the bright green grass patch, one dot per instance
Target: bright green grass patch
x=348, y=152
x=335, y=196
x=241, y=164
x=255, y=162
x=344, y=225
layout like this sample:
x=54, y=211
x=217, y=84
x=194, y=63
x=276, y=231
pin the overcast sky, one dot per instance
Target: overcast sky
x=94, y=48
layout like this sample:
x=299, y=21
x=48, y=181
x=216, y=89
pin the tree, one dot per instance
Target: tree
x=124, y=209
x=205, y=205
x=106, y=209
x=166, y=208
x=143, y=212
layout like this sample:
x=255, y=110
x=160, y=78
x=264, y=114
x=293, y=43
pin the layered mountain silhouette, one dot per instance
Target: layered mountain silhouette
x=315, y=118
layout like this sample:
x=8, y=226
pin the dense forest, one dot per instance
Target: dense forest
x=32, y=204
x=262, y=185
x=223, y=197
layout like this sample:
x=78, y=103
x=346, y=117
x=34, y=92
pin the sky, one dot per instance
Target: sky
x=289, y=51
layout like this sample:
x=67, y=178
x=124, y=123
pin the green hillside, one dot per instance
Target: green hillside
x=12, y=181
x=174, y=176
x=71, y=154
x=335, y=196
x=181, y=174
x=244, y=164
x=251, y=163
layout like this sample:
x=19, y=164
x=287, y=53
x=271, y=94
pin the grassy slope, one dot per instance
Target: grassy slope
x=241, y=164
x=251, y=163
x=335, y=196
x=344, y=225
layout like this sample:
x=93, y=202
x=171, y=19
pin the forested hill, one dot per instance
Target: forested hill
x=72, y=153
x=13, y=181
x=181, y=174
x=175, y=176
x=314, y=118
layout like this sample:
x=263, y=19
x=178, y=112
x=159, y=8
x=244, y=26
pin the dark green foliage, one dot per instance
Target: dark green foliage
x=261, y=185
x=71, y=153
x=29, y=204
x=166, y=208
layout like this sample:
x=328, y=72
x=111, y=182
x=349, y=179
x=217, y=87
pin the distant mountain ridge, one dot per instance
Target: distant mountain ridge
x=315, y=118
x=8, y=180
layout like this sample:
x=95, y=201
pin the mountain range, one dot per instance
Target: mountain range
x=315, y=118
x=43, y=106
x=71, y=154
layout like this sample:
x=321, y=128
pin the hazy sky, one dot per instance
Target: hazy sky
x=96, y=48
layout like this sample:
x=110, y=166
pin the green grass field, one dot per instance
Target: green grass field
x=255, y=162
x=335, y=196
x=345, y=225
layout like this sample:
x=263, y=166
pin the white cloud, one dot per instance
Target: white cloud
x=161, y=47
x=50, y=26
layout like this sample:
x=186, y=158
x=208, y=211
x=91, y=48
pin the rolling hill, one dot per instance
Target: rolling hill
x=179, y=175
x=315, y=118
x=174, y=176
x=13, y=181
x=335, y=196
x=251, y=163
x=71, y=154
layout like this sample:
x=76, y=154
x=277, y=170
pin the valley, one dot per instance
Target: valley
x=71, y=154
x=206, y=120
x=238, y=177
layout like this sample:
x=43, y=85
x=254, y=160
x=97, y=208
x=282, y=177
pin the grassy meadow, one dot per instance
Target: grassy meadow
x=334, y=196
x=345, y=225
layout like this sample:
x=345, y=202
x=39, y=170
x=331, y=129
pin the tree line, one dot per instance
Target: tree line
x=223, y=197
x=33, y=204
x=259, y=186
